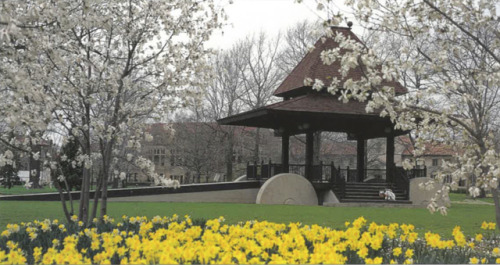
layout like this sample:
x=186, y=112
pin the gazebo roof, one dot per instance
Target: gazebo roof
x=316, y=111
x=312, y=67
x=305, y=110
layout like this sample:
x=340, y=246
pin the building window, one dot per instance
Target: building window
x=434, y=162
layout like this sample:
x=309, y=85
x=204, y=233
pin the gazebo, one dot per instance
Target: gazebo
x=306, y=111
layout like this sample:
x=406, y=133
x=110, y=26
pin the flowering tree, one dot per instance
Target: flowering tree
x=450, y=49
x=97, y=70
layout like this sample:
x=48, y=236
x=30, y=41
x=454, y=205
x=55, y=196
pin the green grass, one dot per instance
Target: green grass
x=22, y=190
x=463, y=196
x=468, y=216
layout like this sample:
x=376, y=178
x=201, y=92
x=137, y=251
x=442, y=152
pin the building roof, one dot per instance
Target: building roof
x=431, y=149
x=311, y=66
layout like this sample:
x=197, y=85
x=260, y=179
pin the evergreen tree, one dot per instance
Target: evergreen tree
x=8, y=173
x=71, y=170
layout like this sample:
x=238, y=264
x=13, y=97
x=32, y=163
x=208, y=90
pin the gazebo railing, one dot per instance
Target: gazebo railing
x=328, y=173
x=262, y=171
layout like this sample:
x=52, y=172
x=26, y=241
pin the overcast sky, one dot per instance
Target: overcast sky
x=250, y=16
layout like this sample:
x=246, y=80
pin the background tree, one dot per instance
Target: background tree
x=224, y=97
x=71, y=170
x=8, y=171
x=261, y=76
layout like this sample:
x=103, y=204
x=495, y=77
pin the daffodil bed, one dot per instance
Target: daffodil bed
x=167, y=240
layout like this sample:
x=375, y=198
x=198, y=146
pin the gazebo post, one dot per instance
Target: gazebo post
x=360, y=153
x=285, y=152
x=389, y=160
x=309, y=154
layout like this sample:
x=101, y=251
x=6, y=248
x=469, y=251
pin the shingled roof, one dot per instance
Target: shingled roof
x=321, y=111
x=312, y=67
x=320, y=103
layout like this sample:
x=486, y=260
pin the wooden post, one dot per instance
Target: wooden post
x=285, y=152
x=361, y=160
x=269, y=169
x=389, y=160
x=321, y=170
x=255, y=170
x=309, y=155
x=332, y=172
x=348, y=174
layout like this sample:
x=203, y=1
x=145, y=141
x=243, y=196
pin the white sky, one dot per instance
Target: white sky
x=246, y=17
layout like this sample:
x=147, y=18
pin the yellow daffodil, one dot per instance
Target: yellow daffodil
x=473, y=260
x=397, y=251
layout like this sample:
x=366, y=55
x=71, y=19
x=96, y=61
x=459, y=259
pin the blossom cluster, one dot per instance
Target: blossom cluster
x=167, y=240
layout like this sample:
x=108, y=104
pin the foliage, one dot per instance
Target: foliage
x=166, y=240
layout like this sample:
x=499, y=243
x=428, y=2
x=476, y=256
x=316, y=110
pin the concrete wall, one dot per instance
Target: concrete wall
x=231, y=196
x=187, y=189
x=419, y=196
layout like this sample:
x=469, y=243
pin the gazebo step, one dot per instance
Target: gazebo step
x=361, y=193
x=374, y=201
x=368, y=186
x=374, y=189
x=369, y=196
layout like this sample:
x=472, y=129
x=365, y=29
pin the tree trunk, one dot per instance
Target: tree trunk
x=106, y=165
x=63, y=201
x=494, y=192
x=34, y=165
x=317, y=148
x=84, y=196
x=229, y=155
x=97, y=194
x=256, y=149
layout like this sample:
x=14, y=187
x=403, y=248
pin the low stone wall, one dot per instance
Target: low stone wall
x=422, y=197
x=147, y=191
x=230, y=196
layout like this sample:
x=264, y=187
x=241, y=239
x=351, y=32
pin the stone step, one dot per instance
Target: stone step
x=368, y=184
x=370, y=193
x=369, y=187
x=374, y=197
x=374, y=201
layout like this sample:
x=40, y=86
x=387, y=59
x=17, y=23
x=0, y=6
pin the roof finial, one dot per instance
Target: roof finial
x=349, y=24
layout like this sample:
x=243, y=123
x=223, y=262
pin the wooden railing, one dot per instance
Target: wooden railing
x=262, y=171
x=328, y=173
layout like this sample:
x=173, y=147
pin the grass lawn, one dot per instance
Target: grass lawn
x=463, y=196
x=468, y=216
x=22, y=190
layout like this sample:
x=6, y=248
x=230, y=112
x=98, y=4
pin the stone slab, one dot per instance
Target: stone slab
x=422, y=197
x=330, y=198
x=287, y=188
x=241, y=178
